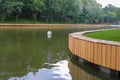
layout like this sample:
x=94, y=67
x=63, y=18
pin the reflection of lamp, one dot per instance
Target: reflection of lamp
x=49, y=51
x=49, y=34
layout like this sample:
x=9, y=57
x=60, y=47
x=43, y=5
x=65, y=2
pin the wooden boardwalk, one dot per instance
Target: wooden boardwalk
x=100, y=52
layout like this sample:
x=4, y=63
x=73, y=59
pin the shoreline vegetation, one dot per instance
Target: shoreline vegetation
x=58, y=11
x=111, y=35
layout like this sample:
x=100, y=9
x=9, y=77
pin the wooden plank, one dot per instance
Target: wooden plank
x=113, y=57
x=103, y=54
x=73, y=46
x=91, y=52
x=88, y=51
x=80, y=54
x=95, y=53
x=108, y=56
x=76, y=46
x=118, y=58
x=84, y=49
x=73, y=49
x=71, y=43
x=99, y=53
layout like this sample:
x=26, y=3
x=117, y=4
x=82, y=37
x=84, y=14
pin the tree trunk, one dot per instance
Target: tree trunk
x=3, y=17
x=35, y=16
x=17, y=17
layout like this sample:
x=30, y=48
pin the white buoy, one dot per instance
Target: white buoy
x=49, y=34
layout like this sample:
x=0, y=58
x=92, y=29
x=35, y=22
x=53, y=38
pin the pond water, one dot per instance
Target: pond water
x=27, y=54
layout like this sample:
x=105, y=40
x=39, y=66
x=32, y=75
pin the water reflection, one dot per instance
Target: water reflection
x=80, y=74
x=85, y=71
x=25, y=51
x=69, y=69
x=60, y=71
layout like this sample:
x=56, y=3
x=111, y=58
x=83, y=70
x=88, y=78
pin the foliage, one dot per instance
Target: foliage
x=14, y=8
x=111, y=13
x=36, y=6
x=66, y=9
x=69, y=11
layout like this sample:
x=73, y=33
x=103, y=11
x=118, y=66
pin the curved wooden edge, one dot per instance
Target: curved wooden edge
x=101, y=52
x=79, y=35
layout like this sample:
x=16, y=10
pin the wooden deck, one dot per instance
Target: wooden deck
x=100, y=52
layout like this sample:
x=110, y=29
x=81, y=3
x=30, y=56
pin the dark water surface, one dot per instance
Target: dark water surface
x=27, y=54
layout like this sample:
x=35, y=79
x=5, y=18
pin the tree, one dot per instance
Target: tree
x=13, y=7
x=118, y=15
x=92, y=11
x=72, y=11
x=36, y=7
x=111, y=16
x=53, y=9
x=2, y=11
x=67, y=10
x=111, y=13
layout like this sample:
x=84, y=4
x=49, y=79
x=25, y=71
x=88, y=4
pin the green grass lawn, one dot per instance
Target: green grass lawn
x=112, y=35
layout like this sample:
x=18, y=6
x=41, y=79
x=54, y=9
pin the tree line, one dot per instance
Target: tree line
x=69, y=11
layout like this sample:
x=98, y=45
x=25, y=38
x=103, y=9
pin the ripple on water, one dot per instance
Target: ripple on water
x=59, y=71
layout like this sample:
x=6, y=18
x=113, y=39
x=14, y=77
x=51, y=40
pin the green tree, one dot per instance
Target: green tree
x=111, y=16
x=91, y=11
x=118, y=15
x=66, y=10
x=111, y=13
x=53, y=9
x=72, y=9
x=36, y=6
x=2, y=11
x=13, y=7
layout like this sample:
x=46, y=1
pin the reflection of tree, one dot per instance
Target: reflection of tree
x=84, y=72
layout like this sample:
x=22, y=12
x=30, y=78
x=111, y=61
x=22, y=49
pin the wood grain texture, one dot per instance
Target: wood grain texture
x=100, y=53
x=108, y=56
x=103, y=55
x=113, y=57
x=118, y=58
x=95, y=53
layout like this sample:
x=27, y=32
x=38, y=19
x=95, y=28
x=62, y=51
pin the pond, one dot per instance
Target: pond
x=27, y=54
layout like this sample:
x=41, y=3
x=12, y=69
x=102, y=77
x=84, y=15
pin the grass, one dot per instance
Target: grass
x=23, y=21
x=111, y=35
x=30, y=21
